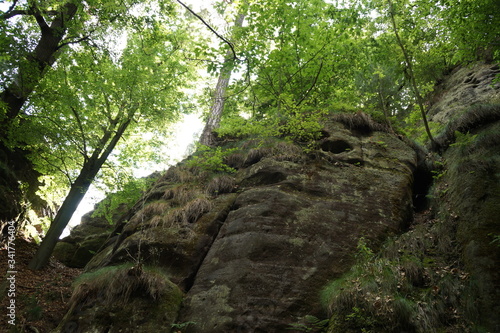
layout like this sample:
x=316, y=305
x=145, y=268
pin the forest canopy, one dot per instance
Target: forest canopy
x=82, y=81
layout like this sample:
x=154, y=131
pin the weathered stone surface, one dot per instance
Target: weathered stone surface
x=179, y=248
x=123, y=299
x=295, y=227
x=83, y=242
x=472, y=200
x=469, y=187
x=462, y=88
x=256, y=260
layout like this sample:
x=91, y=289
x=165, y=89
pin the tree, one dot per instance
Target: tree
x=90, y=103
x=473, y=29
x=411, y=73
x=301, y=58
x=33, y=35
x=219, y=95
x=31, y=68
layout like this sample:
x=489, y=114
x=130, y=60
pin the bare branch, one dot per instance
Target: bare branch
x=76, y=41
x=7, y=15
x=82, y=132
x=13, y=13
x=211, y=29
x=312, y=85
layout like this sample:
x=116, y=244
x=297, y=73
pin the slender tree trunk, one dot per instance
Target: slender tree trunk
x=218, y=102
x=409, y=66
x=43, y=56
x=78, y=190
x=71, y=202
x=219, y=98
x=384, y=105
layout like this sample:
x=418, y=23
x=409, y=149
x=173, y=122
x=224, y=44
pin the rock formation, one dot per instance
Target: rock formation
x=250, y=243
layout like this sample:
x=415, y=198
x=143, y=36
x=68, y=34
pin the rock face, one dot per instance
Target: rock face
x=252, y=250
x=469, y=189
x=85, y=239
x=464, y=87
x=294, y=227
x=472, y=199
x=210, y=250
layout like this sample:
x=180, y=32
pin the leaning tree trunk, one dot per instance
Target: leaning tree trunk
x=78, y=190
x=71, y=202
x=219, y=98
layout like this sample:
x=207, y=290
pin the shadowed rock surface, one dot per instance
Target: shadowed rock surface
x=251, y=251
x=257, y=258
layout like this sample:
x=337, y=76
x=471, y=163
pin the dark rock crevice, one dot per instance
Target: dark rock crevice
x=221, y=219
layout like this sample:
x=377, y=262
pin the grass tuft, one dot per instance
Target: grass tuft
x=474, y=117
x=220, y=185
x=115, y=284
x=180, y=195
x=360, y=121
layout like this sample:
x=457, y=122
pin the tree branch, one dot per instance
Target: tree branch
x=82, y=132
x=312, y=86
x=11, y=9
x=211, y=29
x=409, y=66
x=33, y=9
x=79, y=40
x=13, y=13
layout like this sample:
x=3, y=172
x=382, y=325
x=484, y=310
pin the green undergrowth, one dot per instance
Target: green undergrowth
x=415, y=283
x=122, y=200
x=295, y=123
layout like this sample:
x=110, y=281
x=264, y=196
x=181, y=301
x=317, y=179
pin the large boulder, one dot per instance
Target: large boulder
x=295, y=226
x=468, y=189
x=85, y=239
x=252, y=250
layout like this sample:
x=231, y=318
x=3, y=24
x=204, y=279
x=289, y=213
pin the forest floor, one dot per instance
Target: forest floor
x=41, y=297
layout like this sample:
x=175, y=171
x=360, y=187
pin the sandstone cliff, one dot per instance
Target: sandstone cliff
x=278, y=238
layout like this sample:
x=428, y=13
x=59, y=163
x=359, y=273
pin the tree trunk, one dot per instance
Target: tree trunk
x=44, y=55
x=219, y=98
x=409, y=65
x=71, y=202
x=217, y=106
x=78, y=190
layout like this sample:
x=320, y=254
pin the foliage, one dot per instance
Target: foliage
x=183, y=325
x=463, y=139
x=122, y=200
x=408, y=286
x=312, y=324
x=474, y=30
x=211, y=159
x=127, y=66
x=314, y=50
x=496, y=239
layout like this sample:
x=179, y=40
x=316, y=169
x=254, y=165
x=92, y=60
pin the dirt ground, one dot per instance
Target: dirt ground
x=40, y=296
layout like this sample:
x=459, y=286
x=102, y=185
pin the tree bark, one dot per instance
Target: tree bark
x=78, y=190
x=219, y=99
x=43, y=56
